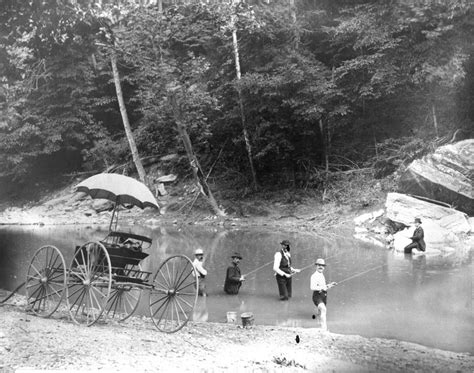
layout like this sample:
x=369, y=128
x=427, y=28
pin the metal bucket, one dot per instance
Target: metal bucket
x=231, y=317
x=247, y=319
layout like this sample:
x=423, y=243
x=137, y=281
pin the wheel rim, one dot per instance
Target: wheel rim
x=89, y=283
x=45, y=281
x=174, y=294
x=124, y=300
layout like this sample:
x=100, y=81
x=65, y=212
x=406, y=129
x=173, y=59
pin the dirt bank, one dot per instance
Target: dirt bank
x=288, y=209
x=57, y=343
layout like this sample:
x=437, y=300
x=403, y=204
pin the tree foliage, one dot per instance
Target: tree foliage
x=341, y=81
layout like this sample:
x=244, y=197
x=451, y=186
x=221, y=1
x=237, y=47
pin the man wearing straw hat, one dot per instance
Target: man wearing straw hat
x=201, y=272
x=233, y=277
x=319, y=287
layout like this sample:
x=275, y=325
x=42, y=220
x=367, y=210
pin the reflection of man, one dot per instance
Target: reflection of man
x=200, y=310
x=418, y=242
x=233, y=278
x=419, y=268
x=201, y=272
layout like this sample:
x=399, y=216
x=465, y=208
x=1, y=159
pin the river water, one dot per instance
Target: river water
x=424, y=299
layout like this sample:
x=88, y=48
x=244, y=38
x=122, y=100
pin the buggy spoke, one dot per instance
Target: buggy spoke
x=166, y=300
x=170, y=311
x=187, y=303
x=185, y=287
x=45, y=281
x=36, y=270
x=152, y=303
x=162, y=287
x=87, y=303
x=181, y=308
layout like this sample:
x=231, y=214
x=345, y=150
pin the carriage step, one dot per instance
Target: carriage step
x=120, y=278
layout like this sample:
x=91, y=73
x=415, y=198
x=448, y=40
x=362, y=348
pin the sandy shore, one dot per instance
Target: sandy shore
x=30, y=343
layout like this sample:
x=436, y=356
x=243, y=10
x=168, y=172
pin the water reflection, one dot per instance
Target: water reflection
x=425, y=299
x=200, y=312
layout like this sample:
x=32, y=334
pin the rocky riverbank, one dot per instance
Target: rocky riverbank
x=29, y=343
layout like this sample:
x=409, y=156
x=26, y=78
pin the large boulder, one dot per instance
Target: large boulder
x=447, y=175
x=444, y=227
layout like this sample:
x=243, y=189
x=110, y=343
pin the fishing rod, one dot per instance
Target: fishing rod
x=258, y=268
x=360, y=274
x=302, y=269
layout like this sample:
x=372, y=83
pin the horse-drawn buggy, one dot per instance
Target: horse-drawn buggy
x=105, y=278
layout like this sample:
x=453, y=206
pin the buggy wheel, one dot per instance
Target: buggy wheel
x=174, y=294
x=45, y=281
x=89, y=283
x=124, y=300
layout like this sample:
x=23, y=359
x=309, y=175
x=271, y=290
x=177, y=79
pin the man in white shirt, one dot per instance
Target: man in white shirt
x=283, y=270
x=201, y=272
x=319, y=287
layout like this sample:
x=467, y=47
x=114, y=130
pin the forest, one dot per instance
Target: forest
x=250, y=93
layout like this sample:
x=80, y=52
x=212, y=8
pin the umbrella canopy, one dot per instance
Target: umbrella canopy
x=122, y=190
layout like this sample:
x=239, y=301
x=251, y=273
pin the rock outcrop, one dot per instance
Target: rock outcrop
x=444, y=227
x=447, y=175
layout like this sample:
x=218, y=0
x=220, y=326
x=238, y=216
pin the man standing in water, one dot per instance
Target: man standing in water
x=283, y=270
x=233, y=278
x=201, y=272
x=319, y=287
x=418, y=242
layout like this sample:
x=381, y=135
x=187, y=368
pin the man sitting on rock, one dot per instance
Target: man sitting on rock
x=417, y=239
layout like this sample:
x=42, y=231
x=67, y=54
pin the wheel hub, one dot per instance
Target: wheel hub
x=44, y=280
x=171, y=292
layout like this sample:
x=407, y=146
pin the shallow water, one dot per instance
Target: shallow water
x=424, y=299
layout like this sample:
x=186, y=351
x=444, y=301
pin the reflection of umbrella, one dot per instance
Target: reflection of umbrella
x=122, y=190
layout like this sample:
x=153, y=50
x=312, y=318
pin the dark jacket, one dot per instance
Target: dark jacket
x=417, y=238
x=232, y=280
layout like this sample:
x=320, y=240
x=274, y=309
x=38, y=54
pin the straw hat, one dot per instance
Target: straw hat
x=285, y=242
x=320, y=262
x=199, y=252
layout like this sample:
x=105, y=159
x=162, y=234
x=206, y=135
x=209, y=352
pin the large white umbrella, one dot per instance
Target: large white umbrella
x=122, y=190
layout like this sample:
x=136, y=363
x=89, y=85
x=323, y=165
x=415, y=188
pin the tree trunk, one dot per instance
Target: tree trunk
x=296, y=33
x=241, y=105
x=193, y=161
x=126, y=123
x=435, y=120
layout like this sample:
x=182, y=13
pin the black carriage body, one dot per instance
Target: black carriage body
x=126, y=252
x=105, y=277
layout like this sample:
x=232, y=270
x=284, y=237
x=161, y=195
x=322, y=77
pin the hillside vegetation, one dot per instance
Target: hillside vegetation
x=241, y=97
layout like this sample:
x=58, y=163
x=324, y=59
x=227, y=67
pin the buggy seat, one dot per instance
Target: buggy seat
x=126, y=251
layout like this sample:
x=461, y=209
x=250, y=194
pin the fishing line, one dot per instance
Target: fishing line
x=302, y=269
x=360, y=273
x=258, y=268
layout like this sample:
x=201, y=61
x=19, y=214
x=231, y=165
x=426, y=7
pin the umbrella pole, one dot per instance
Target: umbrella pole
x=116, y=216
x=112, y=218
